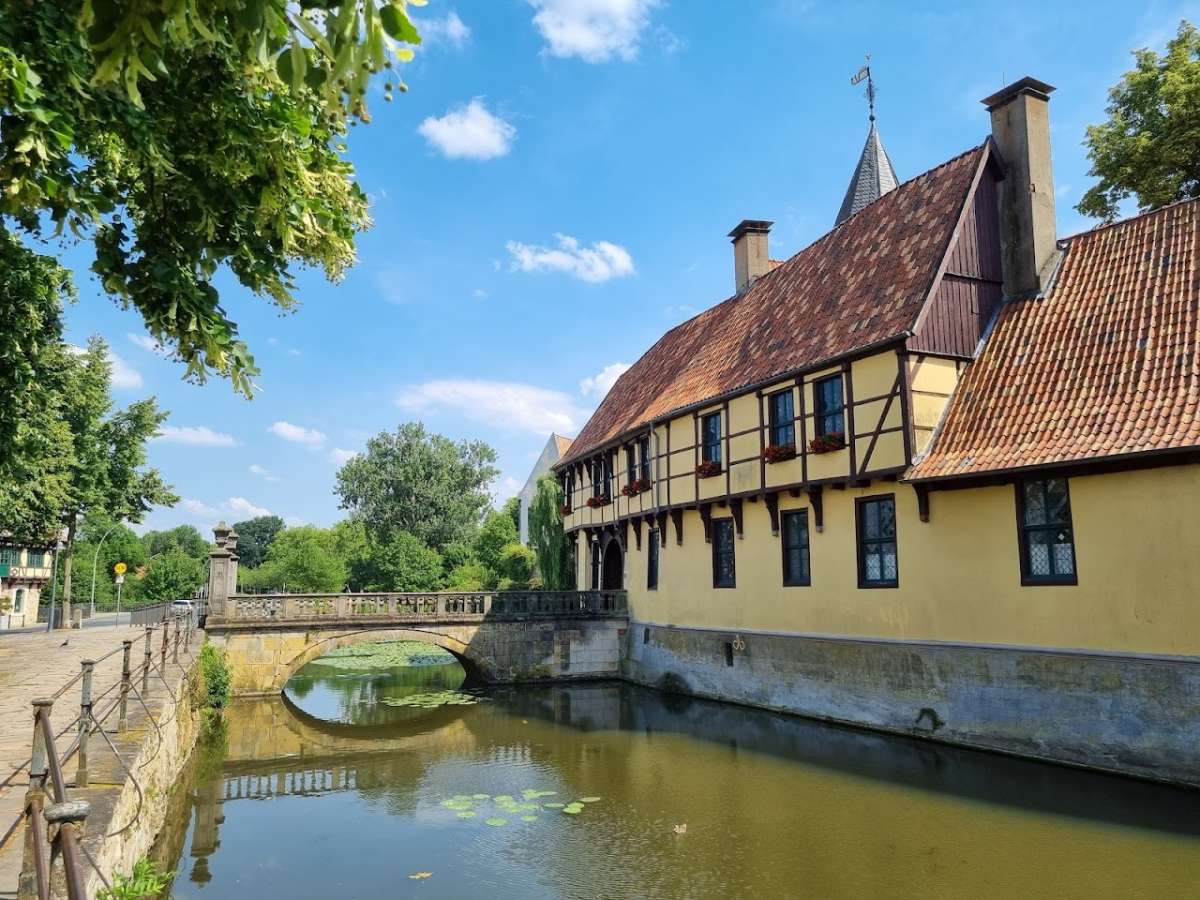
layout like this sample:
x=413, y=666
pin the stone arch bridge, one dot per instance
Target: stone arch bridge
x=498, y=636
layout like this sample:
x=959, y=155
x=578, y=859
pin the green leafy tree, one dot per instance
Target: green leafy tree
x=515, y=568
x=1149, y=147
x=107, y=471
x=254, y=539
x=193, y=135
x=403, y=563
x=498, y=532
x=121, y=544
x=304, y=560
x=182, y=537
x=173, y=575
x=512, y=507
x=34, y=437
x=546, y=536
x=420, y=483
x=468, y=576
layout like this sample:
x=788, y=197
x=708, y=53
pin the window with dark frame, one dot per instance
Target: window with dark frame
x=644, y=458
x=609, y=462
x=783, y=418
x=595, y=565
x=652, y=560
x=794, y=525
x=597, y=470
x=630, y=464
x=877, y=562
x=1047, y=535
x=829, y=406
x=710, y=436
x=724, y=572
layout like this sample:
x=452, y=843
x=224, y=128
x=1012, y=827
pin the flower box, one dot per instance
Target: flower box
x=779, y=453
x=565, y=509
x=597, y=502
x=827, y=443
x=708, y=469
x=635, y=487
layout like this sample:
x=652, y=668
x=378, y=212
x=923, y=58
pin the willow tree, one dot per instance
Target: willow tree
x=183, y=137
x=546, y=535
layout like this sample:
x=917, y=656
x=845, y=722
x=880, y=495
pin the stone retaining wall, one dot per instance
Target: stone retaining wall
x=1135, y=715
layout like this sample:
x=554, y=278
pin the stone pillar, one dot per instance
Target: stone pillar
x=222, y=571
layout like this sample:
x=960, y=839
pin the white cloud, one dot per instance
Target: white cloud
x=263, y=472
x=506, y=487
x=600, y=262
x=145, y=342
x=601, y=383
x=450, y=28
x=593, y=30
x=479, y=294
x=272, y=341
x=294, y=352
x=503, y=404
x=469, y=132
x=341, y=456
x=196, y=435
x=243, y=507
x=297, y=434
x=198, y=508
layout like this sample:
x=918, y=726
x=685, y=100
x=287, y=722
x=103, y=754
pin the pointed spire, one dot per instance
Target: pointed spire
x=873, y=177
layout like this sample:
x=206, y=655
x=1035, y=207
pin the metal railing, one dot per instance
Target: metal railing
x=53, y=831
x=474, y=605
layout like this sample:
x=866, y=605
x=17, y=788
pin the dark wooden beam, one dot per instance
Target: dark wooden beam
x=735, y=507
x=772, y=501
x=662, y=530
x=637, y=531
x=814, y=498
x=922, y=501
x=677, y=518
x=706, y=519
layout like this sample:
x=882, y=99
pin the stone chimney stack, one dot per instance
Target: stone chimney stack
x=750, y=252
x=1028, y=239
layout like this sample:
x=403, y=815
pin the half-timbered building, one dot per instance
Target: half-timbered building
x=935, y=473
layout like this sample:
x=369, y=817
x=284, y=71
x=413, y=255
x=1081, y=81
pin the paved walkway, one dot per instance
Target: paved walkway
x=33, y=666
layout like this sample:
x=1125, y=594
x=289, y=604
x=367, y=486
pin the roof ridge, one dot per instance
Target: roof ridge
x=1145, y=214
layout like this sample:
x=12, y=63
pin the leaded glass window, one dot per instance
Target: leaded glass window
x=1047, y=538
x=710, y=432
x=783, y=419
x=795, y=548
x=724, y=575
x=19, y=601
x=35, y=559
x=829, y=406
x=644, y=458
x=877, y=563
x=10, y=556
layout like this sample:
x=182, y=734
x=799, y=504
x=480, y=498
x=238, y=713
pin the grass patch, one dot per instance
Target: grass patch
x=146, y=881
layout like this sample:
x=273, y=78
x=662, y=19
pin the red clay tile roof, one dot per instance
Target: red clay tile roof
x=861, y=284
x=1107, y=364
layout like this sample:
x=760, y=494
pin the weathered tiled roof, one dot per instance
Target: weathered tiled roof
x=1107, y=364
x=861, y=284
x=873, y=177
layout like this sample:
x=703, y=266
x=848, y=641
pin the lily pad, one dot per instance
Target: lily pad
x=553, y=805
x=417, y=876
x=572, y=810
x=496, y=822
x=466, y=814
x=529, y=818
x=589, y=799
x=503, y=798
x=480, y=796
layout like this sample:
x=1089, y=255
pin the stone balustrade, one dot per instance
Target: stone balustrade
x=473, y=606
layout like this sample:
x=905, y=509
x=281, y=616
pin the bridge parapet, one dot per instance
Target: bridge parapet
x=474, y=606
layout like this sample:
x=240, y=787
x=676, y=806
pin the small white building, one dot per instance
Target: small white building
x=554, y=450
x=24, y=571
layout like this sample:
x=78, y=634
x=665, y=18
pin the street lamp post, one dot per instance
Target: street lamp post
x=95, y=558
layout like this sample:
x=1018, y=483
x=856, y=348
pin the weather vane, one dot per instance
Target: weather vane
x=864, y=74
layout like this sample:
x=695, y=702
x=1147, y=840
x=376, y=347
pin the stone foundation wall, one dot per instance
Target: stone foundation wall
x=1135, y=715
x=263, y=657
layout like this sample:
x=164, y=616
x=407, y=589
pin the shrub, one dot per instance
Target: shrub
x=515, y=567
x=215, y=670
x=144, y=882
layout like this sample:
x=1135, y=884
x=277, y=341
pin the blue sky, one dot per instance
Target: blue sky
x=554, y=192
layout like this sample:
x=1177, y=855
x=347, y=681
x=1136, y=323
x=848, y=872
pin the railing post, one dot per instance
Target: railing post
x=146, y=663
x=162, y=665
x=126, y=683
x=35, y=870
x=175, y=643
x=85, y=722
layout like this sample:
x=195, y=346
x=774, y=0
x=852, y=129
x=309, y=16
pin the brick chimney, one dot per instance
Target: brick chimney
x=1021, y=130
x=750, y=252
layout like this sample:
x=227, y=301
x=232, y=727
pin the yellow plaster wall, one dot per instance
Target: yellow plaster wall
x=931, y=381
x=1135, y=541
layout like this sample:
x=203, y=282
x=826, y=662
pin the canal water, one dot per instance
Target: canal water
x=374, y=778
